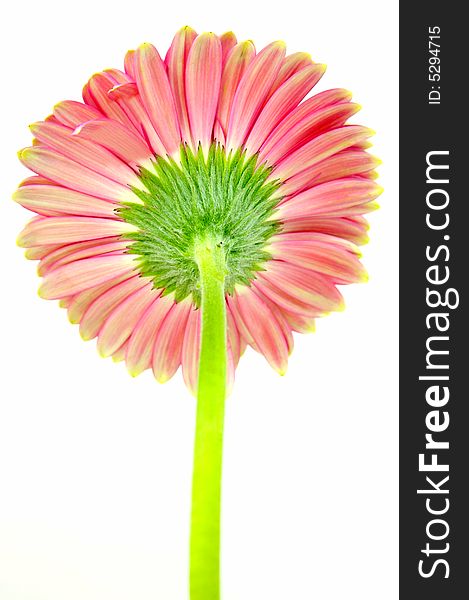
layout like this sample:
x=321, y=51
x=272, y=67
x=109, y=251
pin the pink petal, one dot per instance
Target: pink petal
x=129, y=64
x=320, y=148
x=121, y=321
x=234, y=311
x=124, y=143
x=237, y=60
x=65, y=302
x=71, y=113
x=80, y=275
x=294, y=132
x=52, y=200
x=38, y=252
x=332, y=198
x=233, y=337
x=119, y=77
x=343, y=164
x=281, y=103
x=309, y=107
x=79, y=303
x=66, y=230
x=230, y=371
x=168, y=344
x=142, y=340
x=281, y=319
x=56, y=167
x=123, y=91
x=95, y=93
x=302, y=323
x=71, y=252
x=119, y=355
x=84, y=152
x=103, y=305
x=35, y=180
x=264, y=328
x=127, y=97
x=157, y=97
x=288, y=300
x=191, y=351
x=292, y=64
x=203, y=74
x=252, y=92
x=330, y=256
x=308, y=287
x=353, y=228
x=228, y=41
x=176, y=61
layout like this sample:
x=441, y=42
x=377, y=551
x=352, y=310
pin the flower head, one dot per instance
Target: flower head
x=214, y=142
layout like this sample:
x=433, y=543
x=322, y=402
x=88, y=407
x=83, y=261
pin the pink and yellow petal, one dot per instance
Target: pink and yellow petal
x=72, y=252
x=353, y=228
x=329, y=199
x=142, y=340
x=287, y=97
x=157, y=97
x=238, y=59
x=95, y=94
x=84, y=152
x=80, y=302
x=191, y=350
x=228, y=41
x=78, y=276
x=203, y=75
x=347, y=163
x=68, y=173
x=69, y=229
x=120, y=324
x=252, y=93
x=291, y=65
x=320, y=148
x=330, y=256
x=307, y=287
x=167, y=351
x=53, y=200
x=264, y=328
x=71, y=113
x=124, y=143
x=176, y=61
x=294, y=133
x=101, y=307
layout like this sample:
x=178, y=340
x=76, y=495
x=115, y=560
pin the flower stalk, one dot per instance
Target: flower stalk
x=211, y=392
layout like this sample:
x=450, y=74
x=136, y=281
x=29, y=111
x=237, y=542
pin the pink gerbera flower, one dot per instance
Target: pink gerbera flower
x=204, y=180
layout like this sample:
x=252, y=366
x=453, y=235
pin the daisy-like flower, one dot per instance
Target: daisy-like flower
x=195, y=205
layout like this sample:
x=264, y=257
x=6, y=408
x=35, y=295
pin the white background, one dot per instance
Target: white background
x=95, y=466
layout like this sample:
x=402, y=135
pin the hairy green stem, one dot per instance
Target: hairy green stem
x=211, y=392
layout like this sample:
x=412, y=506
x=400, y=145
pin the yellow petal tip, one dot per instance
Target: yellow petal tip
x=281, y=370
x=162, y=377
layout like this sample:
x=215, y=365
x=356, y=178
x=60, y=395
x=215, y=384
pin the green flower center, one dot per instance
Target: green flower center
x=222, y=197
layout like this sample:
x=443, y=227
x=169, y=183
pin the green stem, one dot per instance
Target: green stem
x=211, y=392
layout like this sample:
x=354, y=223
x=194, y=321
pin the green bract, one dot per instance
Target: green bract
x=223, y=197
